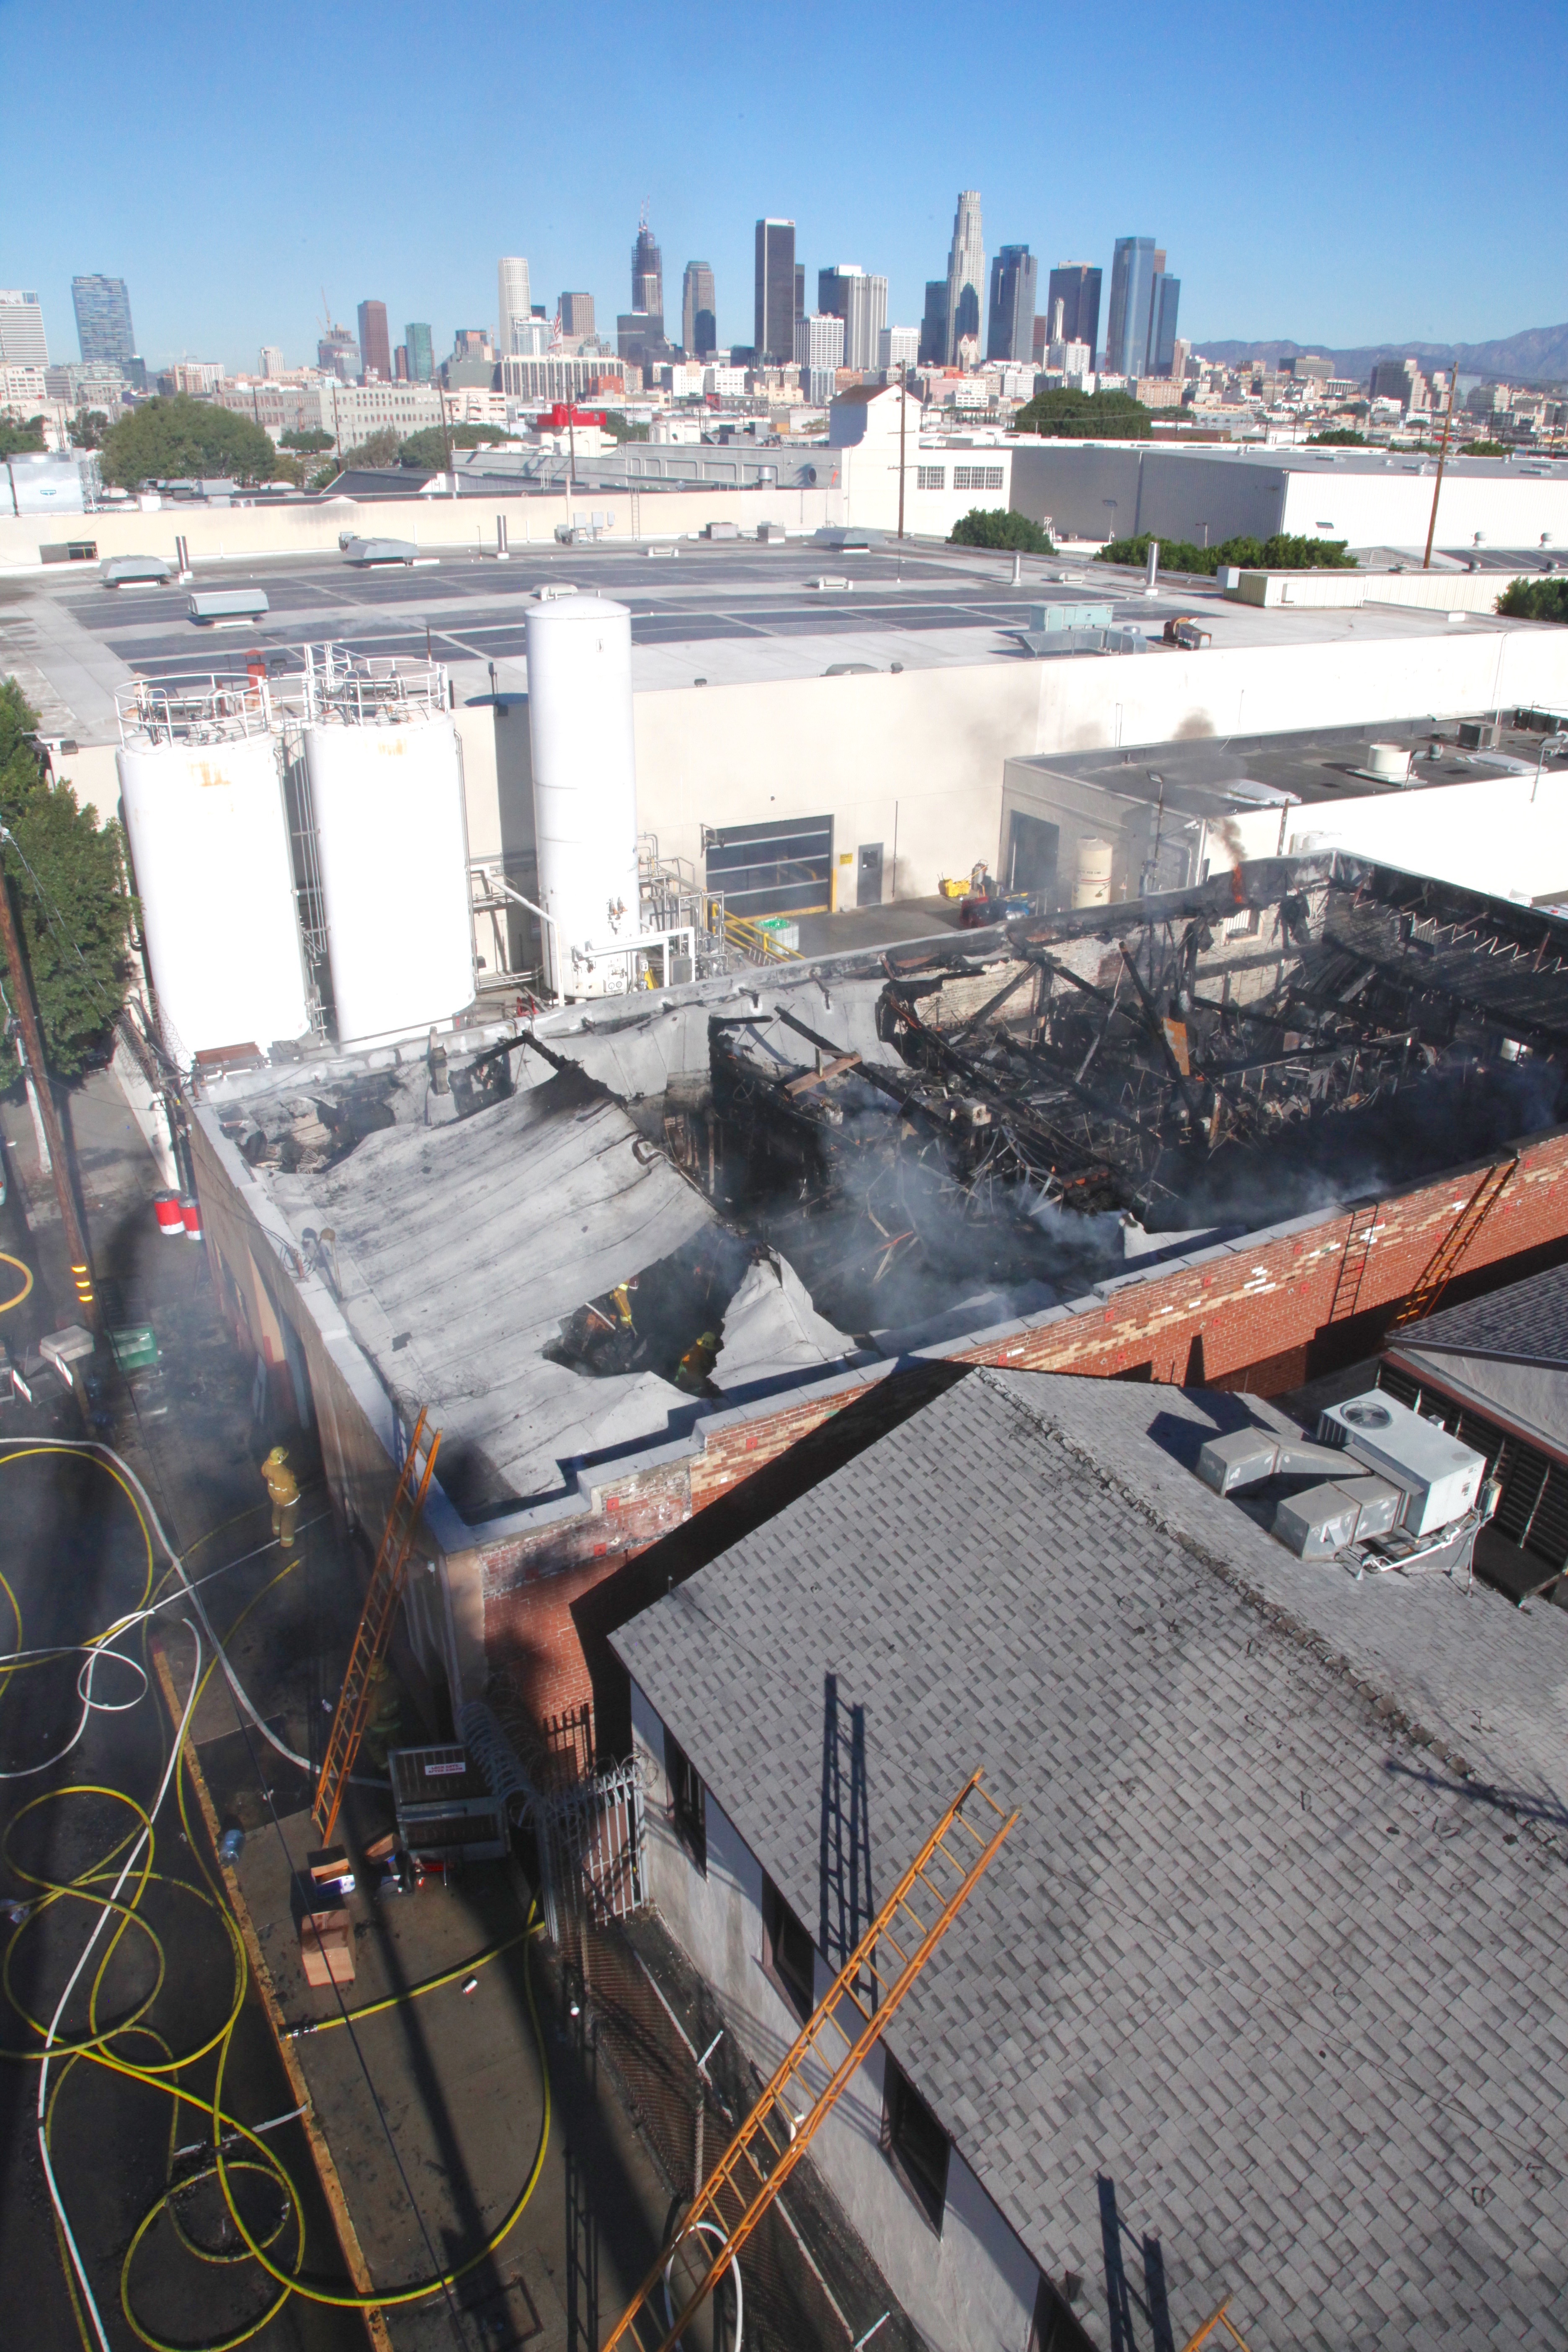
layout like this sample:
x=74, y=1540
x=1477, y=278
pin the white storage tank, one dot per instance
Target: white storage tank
x=584, y=791
x=392, y=843
x=209, y=844
x=1092, y=886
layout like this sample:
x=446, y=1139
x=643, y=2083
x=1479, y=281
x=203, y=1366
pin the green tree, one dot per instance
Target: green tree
x=619, y=429
x=1337, y=436
x=21, y=440
x=87, y=427
x=306, y=439
x=1487, y=449
x=1535, y=600
x=165, y=440
x=1286, y=552
x=427, y=448
x=69, y=881
x=1000, y=527
x=1063, y=416
x=378, y=448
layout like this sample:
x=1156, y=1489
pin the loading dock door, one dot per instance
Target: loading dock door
x=868, y=875
x=783, y=867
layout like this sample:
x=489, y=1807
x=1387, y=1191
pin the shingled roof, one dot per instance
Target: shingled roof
x=1274, y=1947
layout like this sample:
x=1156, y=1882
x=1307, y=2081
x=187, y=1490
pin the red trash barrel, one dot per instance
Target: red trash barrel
x=191, y=1215
x=170, y=1216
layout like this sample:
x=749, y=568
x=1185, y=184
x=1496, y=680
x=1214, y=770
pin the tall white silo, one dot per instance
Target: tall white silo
x=584, y=790
x=201, y=791
x=386, y=789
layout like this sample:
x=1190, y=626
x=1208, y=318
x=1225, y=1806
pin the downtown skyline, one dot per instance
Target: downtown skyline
x=218, y=278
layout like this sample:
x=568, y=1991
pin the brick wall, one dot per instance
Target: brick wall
x=1264, y=1315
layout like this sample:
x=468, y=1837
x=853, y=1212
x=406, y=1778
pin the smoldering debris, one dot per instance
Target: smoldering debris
x=1221, y=1071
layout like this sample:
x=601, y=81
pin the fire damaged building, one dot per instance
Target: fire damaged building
x=628, y=1252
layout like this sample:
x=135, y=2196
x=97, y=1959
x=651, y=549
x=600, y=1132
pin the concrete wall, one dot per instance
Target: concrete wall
x=242, y=534
x=970, y=2287
x=1154, y=490
x=1208, y=495
x=916, y=761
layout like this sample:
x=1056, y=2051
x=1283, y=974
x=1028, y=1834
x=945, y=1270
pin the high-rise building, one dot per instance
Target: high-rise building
x=1075, y=287
x=965, y=273
x=648, y=272
x=898, y=347
x=847, y=291
x=1010, y=328
x=576, y=315
x=271, y=362
x=104, y=327
x=421, y=352
x=800, y=290
x=1163, y=303
x=399, y=363
x=774, y=307
x=1132, y=273
x=22, y=339
x=513, y=302
x=819, y=353
x=698, y=312
x=934, y=324
x=374, y=345
x=338, y=354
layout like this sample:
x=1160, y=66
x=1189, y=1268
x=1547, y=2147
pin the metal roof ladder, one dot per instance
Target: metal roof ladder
x=372, y=1635
x=823, y=2059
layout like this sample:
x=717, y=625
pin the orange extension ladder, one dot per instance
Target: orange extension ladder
x=373, y=1632
x=835, y=2038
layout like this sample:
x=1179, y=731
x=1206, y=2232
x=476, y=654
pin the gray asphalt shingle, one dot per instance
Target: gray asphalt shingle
x=1319, y=2060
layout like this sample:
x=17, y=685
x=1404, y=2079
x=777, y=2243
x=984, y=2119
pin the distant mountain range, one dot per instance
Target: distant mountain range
x=1539, y=355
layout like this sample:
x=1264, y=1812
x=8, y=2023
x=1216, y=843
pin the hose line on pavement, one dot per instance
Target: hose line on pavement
x=121, y=2041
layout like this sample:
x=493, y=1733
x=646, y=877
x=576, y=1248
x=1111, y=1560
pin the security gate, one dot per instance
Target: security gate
x=590, y=1847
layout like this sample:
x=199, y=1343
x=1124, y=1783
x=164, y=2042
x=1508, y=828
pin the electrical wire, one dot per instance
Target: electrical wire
x=278, y=2251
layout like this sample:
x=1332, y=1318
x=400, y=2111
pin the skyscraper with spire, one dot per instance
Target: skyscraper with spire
x=648, y=272
x=965, y=273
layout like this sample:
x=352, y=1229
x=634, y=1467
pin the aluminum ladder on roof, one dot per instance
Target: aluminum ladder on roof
x=1444, y=1265
x=846, y=2023
x=372, y=1635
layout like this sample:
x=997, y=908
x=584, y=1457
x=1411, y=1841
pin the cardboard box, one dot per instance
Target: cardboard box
x=327, y=1947
x=329, y=1870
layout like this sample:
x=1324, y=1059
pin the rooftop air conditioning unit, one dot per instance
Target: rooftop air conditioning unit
x=1441, y=1477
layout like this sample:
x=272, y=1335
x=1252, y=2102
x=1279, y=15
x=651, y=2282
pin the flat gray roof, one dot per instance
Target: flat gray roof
x=1259, y=1954
x=728, y=613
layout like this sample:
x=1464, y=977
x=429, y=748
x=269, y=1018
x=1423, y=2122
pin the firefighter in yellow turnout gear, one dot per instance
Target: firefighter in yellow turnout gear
x=284, y=1489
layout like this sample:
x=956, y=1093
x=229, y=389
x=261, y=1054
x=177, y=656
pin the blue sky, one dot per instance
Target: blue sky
x=1342, y=173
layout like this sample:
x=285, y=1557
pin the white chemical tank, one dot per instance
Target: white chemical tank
x=1091, y=887
x=584, y=791
x=393, y=846
x=209, y=843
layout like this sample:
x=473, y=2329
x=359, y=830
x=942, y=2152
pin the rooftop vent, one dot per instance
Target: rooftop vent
x=1399, y=1493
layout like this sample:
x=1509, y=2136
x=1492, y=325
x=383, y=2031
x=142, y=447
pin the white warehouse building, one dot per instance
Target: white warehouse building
x=1370, y=497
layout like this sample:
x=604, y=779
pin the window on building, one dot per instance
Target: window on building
x=788, y=1953
x=977, y=477
x=688, y=1802
x=932, y=478
x=914, y=2142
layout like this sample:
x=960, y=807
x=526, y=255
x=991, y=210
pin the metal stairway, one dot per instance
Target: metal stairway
x=823, y=2059
x=373, y=1632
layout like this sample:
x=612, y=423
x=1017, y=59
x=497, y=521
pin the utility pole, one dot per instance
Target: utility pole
x=1442, y=461
x=903, y=411
x=33, y=1048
